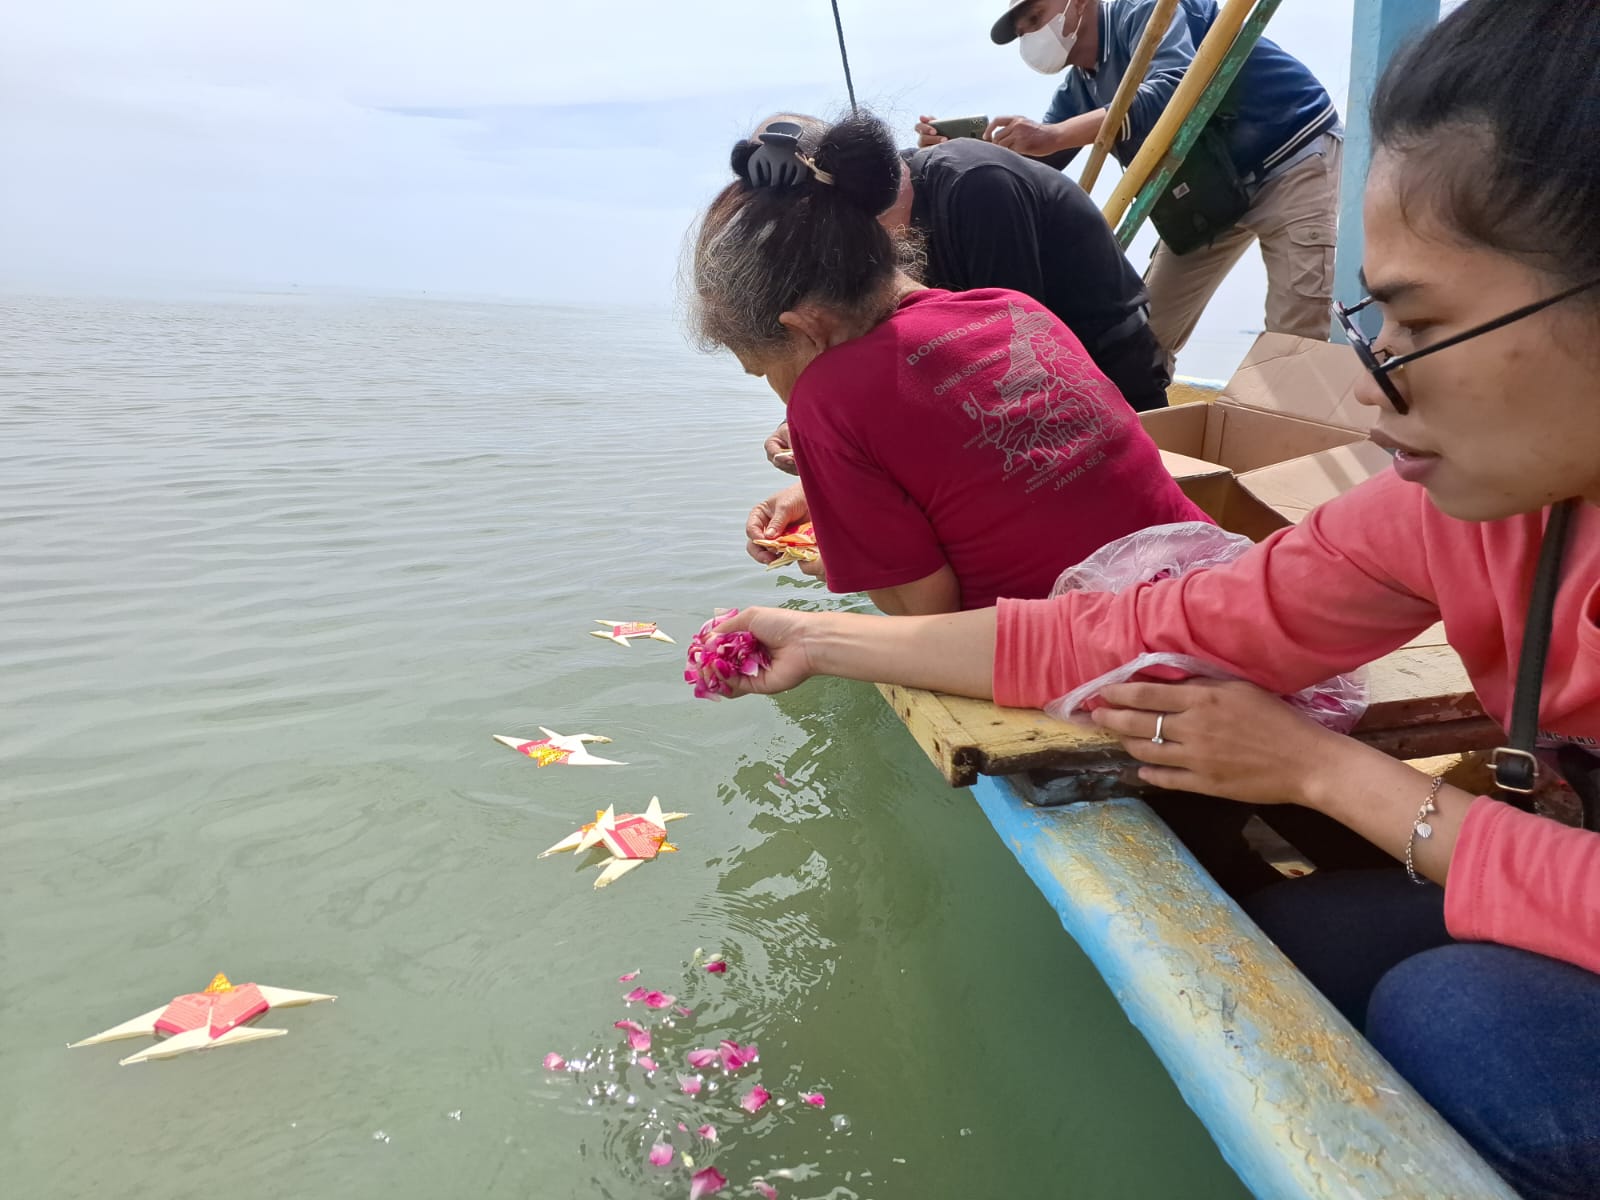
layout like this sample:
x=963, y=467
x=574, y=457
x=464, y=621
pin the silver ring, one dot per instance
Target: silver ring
x=1158, y=740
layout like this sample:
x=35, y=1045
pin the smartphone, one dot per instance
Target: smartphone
x=960, y=127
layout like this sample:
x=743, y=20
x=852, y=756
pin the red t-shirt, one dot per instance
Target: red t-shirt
x=970, y=428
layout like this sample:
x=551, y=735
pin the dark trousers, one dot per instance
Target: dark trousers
x=1503, y=1042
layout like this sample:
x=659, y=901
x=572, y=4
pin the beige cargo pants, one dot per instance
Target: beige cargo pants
x=1295, y=216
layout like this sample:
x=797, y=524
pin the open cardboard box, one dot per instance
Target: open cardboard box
x=1283, y=435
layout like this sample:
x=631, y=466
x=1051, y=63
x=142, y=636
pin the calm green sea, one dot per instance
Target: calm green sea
x=272, y=571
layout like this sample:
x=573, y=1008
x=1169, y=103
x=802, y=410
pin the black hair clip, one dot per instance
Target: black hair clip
x=777, y=162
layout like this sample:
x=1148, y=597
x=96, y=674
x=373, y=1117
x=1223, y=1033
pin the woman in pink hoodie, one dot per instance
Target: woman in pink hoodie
x=1474, y=969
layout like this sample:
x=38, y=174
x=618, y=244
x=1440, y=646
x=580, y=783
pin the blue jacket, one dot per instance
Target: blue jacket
x=1280, y=106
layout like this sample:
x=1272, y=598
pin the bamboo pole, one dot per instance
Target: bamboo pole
x=1206, y=60
x=1189, y=132
x=1160, y=19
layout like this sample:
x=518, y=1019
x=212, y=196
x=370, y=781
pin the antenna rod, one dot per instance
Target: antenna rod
x=844, y=56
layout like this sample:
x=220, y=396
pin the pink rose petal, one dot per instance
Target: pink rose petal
x=701, y=1059
x=638, y=1035
x=705, y=1182
x=554, y=1062
x=682, y=1128
x=689, y=1085
x=628, y=978
x=765, y=1188
x=658, y=1000
x=649, y=1064
x=683, y=1010
x=815, y=1099
x=709, y=1132
x=755, y=1099
x=660, y=1154
x=715, y=658
x=735, y=1056
x=638, y=993
x=717, y=968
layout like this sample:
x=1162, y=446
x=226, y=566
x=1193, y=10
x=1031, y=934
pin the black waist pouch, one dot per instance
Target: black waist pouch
x=1203, y=199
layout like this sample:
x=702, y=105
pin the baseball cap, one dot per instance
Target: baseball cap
x=1004, y=31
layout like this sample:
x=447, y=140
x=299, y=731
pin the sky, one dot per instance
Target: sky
x=505, y=148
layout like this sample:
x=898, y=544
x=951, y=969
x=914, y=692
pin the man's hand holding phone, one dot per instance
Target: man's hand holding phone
x=931, y=132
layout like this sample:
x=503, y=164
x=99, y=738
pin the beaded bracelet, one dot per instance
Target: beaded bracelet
x=1420, y=828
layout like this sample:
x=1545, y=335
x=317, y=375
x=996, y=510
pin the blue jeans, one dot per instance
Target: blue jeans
x=1503, y=1042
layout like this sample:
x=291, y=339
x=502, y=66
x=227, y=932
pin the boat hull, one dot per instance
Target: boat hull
x=1299, y=1103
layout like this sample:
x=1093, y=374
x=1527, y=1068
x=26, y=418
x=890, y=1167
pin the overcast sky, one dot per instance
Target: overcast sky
x=498, y=147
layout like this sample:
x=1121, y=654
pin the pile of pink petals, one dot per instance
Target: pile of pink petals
x=715, y=659
x=729, y=1056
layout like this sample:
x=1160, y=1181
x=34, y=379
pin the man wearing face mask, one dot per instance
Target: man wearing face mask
x=1271, y=155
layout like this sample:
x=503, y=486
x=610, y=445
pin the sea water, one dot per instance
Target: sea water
x=273, y=569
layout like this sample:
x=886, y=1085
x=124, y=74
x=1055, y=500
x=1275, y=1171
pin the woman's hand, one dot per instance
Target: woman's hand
x=1232, y=740
x=771, y=517
x=783, y=633
x=778, y=451
x=927, y=135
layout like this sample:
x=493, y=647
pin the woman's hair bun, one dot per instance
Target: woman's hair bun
x=860, y=153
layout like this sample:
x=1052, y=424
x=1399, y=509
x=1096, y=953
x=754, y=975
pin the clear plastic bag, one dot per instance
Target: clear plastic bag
x=1165, y=552
x=1149, y=555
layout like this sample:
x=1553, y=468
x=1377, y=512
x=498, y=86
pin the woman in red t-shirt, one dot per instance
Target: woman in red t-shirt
x=953, y=447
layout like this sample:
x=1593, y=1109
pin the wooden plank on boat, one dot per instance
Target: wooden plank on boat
x=1421, y=703
x=1298, y=1102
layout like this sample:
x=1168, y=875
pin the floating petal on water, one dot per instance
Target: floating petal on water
x=765, y=1188
x=701, y=1059
x=689, y=1085
x=735, y=1056
x=815, y=1099
x=554, y=1062
x=628, y=978
x=705, y=1182
x=755, y=1099
x=658, y=1000
x=709, y=1132
x=660, y=1155
x=649, y=1064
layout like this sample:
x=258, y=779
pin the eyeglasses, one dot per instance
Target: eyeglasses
x=1381, y=368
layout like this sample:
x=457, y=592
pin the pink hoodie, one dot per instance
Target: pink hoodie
x=1359, y=578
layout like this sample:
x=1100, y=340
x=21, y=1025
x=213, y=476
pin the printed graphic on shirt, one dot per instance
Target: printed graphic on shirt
x=1050, y=412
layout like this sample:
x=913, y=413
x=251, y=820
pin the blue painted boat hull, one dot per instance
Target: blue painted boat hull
x=1296, y=1099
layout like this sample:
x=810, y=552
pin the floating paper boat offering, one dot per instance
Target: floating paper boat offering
x=565, y=749
x=623, y=632
x=218, y=1016
x=796, y=544
x=629, y=840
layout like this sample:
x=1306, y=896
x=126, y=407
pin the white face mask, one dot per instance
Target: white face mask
x=1046, y=50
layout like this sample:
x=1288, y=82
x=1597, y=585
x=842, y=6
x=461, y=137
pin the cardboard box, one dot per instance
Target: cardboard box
x=1217, y=491
x=1292, y=489
x=1283, y=435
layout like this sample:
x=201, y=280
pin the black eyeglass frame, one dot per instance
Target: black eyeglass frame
x=1380, y=369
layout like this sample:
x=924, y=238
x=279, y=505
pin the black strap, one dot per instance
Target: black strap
x=1516, y=770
